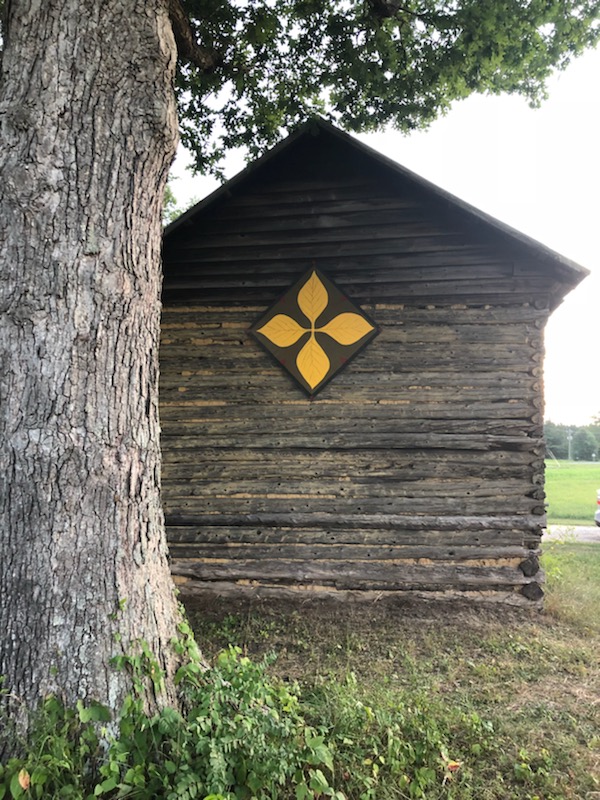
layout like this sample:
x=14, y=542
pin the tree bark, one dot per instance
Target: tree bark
x=88, y=129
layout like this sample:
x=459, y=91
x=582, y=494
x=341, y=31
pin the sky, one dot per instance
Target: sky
x=535, y=169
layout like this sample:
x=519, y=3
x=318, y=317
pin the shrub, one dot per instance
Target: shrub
x=242, y=735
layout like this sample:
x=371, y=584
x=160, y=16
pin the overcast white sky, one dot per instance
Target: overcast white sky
x=539, y=171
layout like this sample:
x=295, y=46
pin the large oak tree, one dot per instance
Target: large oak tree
x=88, y=129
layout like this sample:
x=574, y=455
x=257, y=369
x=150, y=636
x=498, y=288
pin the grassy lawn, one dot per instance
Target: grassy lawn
x=573, y=582
x=571, y=491
x=442, y=701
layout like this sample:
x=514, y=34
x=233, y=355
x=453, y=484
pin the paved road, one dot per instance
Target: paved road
x=579, y=533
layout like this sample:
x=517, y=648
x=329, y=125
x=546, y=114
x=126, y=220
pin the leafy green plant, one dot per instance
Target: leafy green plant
x=242, y=735
x=62, y=756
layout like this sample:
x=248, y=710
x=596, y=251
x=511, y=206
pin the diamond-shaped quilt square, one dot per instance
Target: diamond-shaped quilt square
x=314, y=330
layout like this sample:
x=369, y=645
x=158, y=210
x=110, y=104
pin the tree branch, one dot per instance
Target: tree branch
x=187, y=47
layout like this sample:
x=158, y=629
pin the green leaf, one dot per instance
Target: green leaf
x=106, y=786
x=95, y=712
x=318, y=782
x=302, y=791
x=16, y=790
x=39, y=776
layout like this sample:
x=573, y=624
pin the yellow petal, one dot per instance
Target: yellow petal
x=313, y=298
x=282, y=330
x=312, y=362
x=347, y=328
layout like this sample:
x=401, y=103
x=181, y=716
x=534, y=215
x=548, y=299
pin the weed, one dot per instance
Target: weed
x=242, y=736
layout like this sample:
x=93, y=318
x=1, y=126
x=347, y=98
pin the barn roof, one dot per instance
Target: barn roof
x=564, y=271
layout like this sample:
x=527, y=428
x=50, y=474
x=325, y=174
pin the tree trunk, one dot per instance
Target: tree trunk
x=88, y=131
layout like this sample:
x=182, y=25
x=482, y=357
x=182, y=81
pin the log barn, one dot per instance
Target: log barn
x=410, y=459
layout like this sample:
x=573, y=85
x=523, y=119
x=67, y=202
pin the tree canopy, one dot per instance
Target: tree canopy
x=581, y=443
x=250, y=68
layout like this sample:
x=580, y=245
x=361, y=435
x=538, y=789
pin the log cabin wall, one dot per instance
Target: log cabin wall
x=419, y=468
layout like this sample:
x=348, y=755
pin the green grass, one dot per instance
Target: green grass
x=573, y=582
x=389, y=700
x=571, y=492
x=401, y=691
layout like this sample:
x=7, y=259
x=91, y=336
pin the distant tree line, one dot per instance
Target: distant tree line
x=579, y=443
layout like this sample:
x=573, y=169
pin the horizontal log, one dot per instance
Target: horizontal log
x=452, y=362
x=481, y=315
x=407, y=333
x=293, y=264
x=494, y=290
x=355, y=384
x=313, y=496
x=381, y=356
x=486, y=364
x=300, y=551
x=399, y=465
x=510, y=409
x=268, y=274
x=394, y=262
x=186, y=404
x=448, y=294
x=370, y=411
x=177, y=498
x=190, y=587
x=387, y=315
x=202, y=362
x=256, y=366
x=195, y=468
x=472, y=338
x=246, y=359
x=368, y=440
x=348, y=487
x=308, y=503
x=430, y=538
x=197, y=425
x=183, y=423
x=228, y=341
x=528, y=523
x=372, y=459
x=354, y=574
